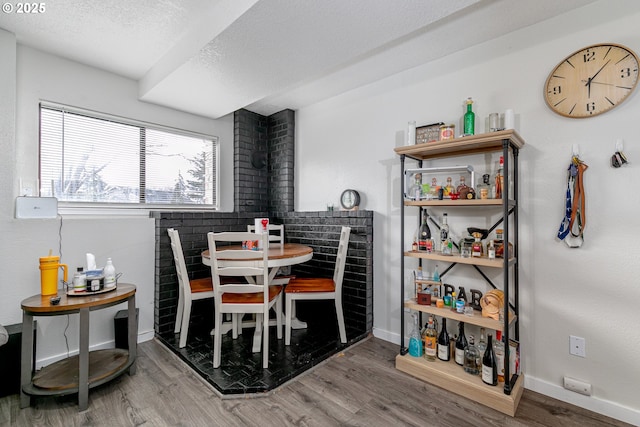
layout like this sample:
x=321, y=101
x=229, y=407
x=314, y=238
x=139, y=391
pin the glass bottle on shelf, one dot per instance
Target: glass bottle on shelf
x=461, y=344
x=436, y=274
x=489, y=366
x=415, y=340
x=448, y=189
x=415, y=192
x=471, y=357
x=491, y=250
x=425, y=242
x=430, y=341
x=444, y=346
x=445, y=243
x=498, y=349
x=469, y=119
x=477, y=248
x=482, y=346
x=484, y=187
x=498, y=184
x=433, y=191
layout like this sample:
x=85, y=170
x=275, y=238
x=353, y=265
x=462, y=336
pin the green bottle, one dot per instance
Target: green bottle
x=469, y=119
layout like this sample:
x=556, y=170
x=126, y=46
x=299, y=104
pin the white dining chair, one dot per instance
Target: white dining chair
x=319, y=288
x=257, y=296
x=276, y=232
x=188, y=290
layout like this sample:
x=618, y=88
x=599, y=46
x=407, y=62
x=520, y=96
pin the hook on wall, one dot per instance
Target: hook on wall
x=618, y=159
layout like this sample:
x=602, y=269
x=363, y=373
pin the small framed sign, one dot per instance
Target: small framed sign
x=428, y=133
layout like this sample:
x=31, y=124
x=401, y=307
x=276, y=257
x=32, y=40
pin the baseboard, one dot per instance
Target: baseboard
x=386, y=335
x=604, y=407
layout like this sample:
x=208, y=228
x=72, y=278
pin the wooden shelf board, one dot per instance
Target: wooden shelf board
x=474, y=144
x=476, y=319
x=482, y=261
x=459, y=202
x=450, y=376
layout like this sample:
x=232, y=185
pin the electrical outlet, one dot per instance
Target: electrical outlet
x=577, y=346
x=577, y=386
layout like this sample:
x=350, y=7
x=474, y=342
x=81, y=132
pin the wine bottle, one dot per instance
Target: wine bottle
x=425, y=243
x=430, y=341
x=498, y=349
x=461, y=344
x=471, y=357
x=489, y=366
x=444, y=349
x=415, y=341
x=444, y=235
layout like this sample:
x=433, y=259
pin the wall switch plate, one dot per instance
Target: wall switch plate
x=577, y=346
x=577, y=386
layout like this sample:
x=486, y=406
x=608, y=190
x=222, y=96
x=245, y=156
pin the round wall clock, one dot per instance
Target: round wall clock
x=350, y=199
x=592, y=80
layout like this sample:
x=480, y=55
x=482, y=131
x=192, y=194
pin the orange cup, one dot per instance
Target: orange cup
x=49, y=266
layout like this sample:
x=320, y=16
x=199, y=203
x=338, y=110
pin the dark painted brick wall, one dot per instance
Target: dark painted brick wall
x=281, y=161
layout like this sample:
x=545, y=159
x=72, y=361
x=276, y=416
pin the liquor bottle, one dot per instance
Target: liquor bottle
x=484, y=187
x=469, y=119
x=445, y=247
x=436, y=274
x=498, y=349
x=489, y=366
x=499, y=181
x=415, y=340
x=448, y=189
x=491, y=250
x=461, y=344
x=415, y=192
x=433, y=191
x=477, y=248
x=425, y=243
x=471, y=357
x=430, y=341
x=444, y=349
x=481, y=346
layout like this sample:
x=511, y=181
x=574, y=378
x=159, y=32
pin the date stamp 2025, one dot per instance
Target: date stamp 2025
x=24, y=8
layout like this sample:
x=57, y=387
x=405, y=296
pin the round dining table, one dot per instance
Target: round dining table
x=280, y=255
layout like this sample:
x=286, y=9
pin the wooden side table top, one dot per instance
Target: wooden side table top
x=42, y=303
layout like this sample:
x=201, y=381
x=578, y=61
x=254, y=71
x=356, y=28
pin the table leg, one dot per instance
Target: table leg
x=133, y=334
x=26, y=358
x=83, y=370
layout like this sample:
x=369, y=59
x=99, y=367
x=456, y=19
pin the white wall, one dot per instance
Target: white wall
x=591, y=292
x=29, y=76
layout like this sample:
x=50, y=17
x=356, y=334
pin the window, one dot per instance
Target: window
x=86, y=157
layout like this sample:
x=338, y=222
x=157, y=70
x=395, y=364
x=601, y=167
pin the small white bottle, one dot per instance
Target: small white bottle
x=109, y=274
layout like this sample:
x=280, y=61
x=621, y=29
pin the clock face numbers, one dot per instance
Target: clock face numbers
x=592, y=81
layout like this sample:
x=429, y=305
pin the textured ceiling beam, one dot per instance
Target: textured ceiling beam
x=213, y=21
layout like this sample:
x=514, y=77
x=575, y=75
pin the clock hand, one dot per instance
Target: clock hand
x=601, y=83
x=588, y=84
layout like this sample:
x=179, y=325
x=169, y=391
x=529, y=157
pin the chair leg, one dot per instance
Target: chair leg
x=340, y=314
x=265, y=339
x=279, y=317
x=217, y=340
x=234, y=325
x=287, y=320
x=179, y=315
x=184, y=329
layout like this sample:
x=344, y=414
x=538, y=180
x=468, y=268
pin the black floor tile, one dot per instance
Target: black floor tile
x=241, y=371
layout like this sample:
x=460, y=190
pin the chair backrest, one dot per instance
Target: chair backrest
x=181, y=266
x=238, y=262
x=341, y=257
x=278, y=236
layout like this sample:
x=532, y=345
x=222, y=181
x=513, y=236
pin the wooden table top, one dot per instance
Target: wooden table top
x=276, y=251
x=42, y=303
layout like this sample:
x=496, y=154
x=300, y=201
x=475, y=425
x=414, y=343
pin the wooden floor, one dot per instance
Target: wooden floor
x=359, y=387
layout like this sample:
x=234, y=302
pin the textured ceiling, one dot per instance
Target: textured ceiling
x=212, y=57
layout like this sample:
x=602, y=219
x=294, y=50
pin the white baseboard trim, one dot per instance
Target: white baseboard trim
x=604, y=407
x=40, y=363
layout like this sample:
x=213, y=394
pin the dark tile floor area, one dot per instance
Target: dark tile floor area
x=241, y=370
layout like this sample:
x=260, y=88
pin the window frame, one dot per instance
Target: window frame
x=139, y=208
